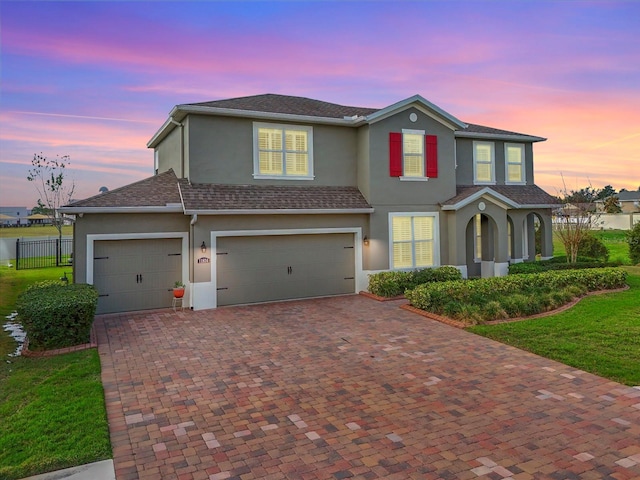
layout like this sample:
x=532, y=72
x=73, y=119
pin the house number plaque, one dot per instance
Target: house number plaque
x=203, y=260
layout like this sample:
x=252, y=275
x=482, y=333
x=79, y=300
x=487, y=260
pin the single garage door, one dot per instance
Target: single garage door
x=136, y=274
x=280, y=267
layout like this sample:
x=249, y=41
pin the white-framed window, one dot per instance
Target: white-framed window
x=514, y=163
x=413, y=164
x=484, y=167
x=413, y=240
x=282, y=151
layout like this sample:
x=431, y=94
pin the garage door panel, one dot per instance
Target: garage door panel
x=136, y=274
x=280, y=267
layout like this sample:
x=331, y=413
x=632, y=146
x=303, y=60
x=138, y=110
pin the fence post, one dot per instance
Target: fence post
x=17, y=254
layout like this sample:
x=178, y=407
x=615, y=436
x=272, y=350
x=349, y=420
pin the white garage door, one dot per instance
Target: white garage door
x=136, y=274
x=279, y=267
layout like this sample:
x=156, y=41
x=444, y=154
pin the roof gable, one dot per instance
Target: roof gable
x=514, y=196
x=423, y=105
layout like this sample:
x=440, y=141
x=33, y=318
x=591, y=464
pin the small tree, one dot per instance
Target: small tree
x=612, y=205
x=574, y=223
x=49, y=176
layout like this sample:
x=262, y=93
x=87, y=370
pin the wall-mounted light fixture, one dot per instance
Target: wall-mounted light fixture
x=365, y=240
x=203, y=247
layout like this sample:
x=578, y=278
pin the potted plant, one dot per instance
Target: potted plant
x=178, y=289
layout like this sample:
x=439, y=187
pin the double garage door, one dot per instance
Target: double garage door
x=281, y=267
x=139, y=274
x=136, y=274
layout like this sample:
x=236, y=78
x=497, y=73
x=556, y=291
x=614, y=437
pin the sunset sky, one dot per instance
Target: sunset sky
x=95, y=80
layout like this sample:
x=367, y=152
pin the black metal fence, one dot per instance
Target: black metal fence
x=43, y=253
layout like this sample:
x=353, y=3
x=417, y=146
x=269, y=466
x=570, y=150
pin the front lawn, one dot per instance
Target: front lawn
x=614, y=240
x=34, y=231
x=52, y=412
x=601, y=334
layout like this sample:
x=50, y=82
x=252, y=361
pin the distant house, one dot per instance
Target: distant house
x=274, y=197
x=14, y=216
x=629, y=201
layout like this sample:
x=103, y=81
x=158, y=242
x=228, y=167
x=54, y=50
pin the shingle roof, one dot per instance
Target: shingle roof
x=291, y=105
x=156, y=191
x=521, y=194
x=473, y=128
x=268, y=197
x=287, y=104
x=628, y=196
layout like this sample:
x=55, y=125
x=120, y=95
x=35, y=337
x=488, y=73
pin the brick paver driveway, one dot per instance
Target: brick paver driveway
x=349, y=387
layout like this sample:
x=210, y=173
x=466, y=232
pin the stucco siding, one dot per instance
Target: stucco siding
x=207, y=224
x=118, y=223
x=364, y=171
x=387, y=190
x=169, y=153
x=464, y=153
x=221, y=151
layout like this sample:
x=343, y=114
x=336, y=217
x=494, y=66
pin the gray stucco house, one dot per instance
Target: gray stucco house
x=274, y=197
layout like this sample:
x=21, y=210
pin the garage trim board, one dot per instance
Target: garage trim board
x=183, y=236
x=202, y=295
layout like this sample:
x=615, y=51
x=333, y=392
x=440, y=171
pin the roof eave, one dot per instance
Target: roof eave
x=500, y=136
x=151, y=209
x=280, y=211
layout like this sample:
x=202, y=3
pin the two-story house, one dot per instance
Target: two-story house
x=274, y=197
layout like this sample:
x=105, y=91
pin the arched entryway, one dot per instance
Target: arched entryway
x=482, y=244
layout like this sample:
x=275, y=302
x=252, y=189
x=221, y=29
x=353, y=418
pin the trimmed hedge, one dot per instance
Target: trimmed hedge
x=511, y=296
x=55, y=315
x=394, y=283
x=548, y=265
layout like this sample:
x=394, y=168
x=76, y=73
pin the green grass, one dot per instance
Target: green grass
x=601, y=334
x=12, y=283
x=614, y=240
x=52, y=412
x=34, y=231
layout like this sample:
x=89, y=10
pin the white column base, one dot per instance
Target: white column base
x=487, y=268
x=463, y=270
x=501, y=269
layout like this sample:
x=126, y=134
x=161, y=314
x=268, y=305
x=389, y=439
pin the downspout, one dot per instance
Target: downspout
x=192, y=259
x=182, y=175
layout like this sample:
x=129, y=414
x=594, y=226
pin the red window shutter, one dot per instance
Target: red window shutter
x=432, y=156
x=395, y=154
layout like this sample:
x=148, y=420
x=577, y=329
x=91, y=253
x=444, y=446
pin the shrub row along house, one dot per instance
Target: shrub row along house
x=274, y=197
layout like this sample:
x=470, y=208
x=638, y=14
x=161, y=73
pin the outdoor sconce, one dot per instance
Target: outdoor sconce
x=203, y=247
x=365, y=240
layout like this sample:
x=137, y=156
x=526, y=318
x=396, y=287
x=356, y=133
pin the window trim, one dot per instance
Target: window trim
x=423, y=177
x=282, y=126
x=493, y=163
x=436, y=237
x=523, y=174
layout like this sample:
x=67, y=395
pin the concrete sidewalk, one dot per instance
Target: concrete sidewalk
x=92, y=471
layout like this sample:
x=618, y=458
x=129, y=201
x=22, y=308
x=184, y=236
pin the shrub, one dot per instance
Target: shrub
x=517, y=295
x=394, y=283
x=633, y=239
x=548, y=265
x=591, y=246
x=55, y=315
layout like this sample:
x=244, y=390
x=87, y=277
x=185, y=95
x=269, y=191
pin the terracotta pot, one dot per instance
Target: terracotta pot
x=178, y=292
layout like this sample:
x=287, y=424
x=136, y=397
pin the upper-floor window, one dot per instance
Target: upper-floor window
x=514, y=163
x=484, y=169
x=414, y=240
x=282, y=151
x=413, y=155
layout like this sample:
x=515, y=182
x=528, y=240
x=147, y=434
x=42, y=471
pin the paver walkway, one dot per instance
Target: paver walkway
x=350, y=388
